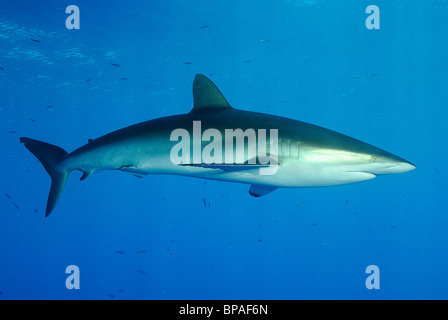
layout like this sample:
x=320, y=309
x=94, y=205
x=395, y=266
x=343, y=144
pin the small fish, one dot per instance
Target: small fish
x=8, y=196
x=393, y=227
x=124, y=78
x=346, y=202
x=143, y=273
x=265, y=40
x=169, y=253
x=32, y=120
x=119, y=252
x=298, y=204
x=260, y=240
x=188, y=62
x=375, y=74
x=114, y=64
x=120, y=290
x=16, y=205
x=205, y=182
x=314, y=224
x=246, y=61
x=204, y=201
x=141, y=251
x=88, y=80
x=355, y=77
x=111, y=295
x=50, y=108
x=203, y=27
x=12, y=132
x=35, y=40
x=1, y=292
x=172, y=241
x=1, y=68
x=36, y=211
x=305, y=58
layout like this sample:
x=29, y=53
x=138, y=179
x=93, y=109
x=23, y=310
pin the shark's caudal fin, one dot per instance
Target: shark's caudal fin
x=50, y=156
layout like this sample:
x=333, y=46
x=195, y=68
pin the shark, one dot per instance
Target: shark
x=301, y=155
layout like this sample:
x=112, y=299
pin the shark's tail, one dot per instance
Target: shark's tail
x=50, y=156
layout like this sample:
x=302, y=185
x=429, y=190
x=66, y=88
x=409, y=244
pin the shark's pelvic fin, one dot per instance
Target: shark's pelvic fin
x=207, y=96
x=50, y=156
x=257, y=190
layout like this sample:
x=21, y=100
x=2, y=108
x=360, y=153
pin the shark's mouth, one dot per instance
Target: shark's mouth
x=361, y=175
x=394, y=168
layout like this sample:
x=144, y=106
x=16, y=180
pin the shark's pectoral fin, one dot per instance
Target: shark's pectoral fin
x=258, y=190
x=226, y=167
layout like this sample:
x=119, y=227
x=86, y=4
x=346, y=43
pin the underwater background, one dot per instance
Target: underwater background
x=171, y=237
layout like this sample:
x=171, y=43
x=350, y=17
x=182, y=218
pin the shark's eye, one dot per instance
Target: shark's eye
x=375, y=158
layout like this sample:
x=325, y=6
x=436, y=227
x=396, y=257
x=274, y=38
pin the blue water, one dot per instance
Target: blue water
x=153, y=238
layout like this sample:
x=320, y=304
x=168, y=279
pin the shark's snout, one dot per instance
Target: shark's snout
x=394, y=167
x=388, y=163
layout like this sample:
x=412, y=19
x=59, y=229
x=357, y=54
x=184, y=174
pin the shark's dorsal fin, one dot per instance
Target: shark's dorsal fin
x=207, y=96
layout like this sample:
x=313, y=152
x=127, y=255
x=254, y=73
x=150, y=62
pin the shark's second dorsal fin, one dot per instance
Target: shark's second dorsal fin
x=207, y=96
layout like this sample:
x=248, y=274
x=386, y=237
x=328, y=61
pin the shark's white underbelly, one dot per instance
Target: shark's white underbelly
x=291, y=172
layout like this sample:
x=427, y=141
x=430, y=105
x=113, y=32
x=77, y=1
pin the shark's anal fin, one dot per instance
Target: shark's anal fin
x=86, y=174
x=207, y=96
x=258, y=190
